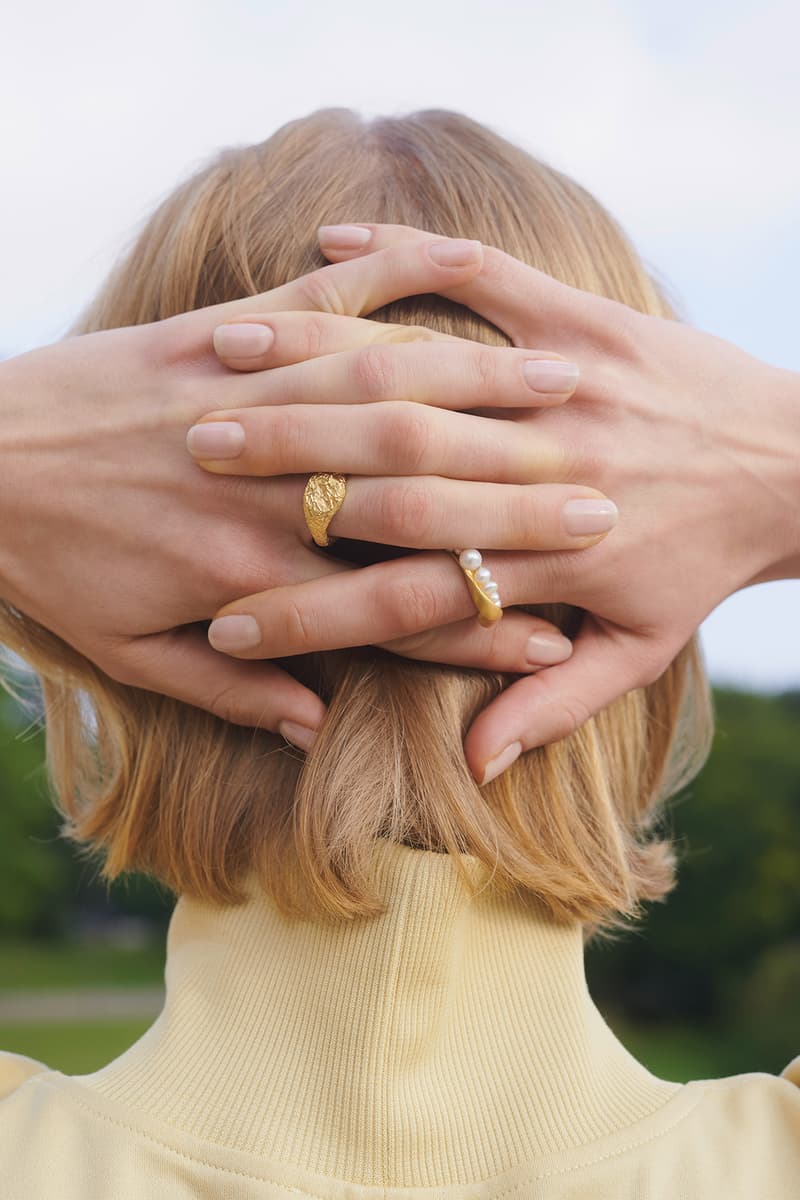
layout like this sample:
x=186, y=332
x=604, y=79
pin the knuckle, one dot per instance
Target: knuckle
x=234, y=573
x=227, y=705
x=167, y=339
x=413, y=606
x=620, y=327
x=407, y=514
x=524, y=521
x=120, y=669
x=648, y=667
x=585, y=460
x=299, y=629
x=405, y=437
x=282, y=442
x=484, y=366
x=229, y=561
x=576, y=712
x=314, y=336
x=319, y=291
x=407, y=333
x=374, y=373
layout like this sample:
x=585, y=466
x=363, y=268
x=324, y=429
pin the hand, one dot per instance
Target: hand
x=667, y=421
x=116, y=542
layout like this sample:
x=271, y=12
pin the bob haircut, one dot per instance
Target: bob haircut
x=154, y=785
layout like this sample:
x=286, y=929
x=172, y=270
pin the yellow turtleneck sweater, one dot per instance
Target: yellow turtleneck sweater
x=447, y=1050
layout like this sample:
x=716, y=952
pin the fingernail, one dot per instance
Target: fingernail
x=581, y=517
x=458, y=252
x=298, y=735
x=216, y=439
x=545, y=376
x=544, y=649
x=343, y=237
x=242, y=341
x=236, y=632
x=497, y=765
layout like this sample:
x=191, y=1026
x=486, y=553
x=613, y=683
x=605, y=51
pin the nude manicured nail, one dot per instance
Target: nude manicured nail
x=458, y=252
x=542, y=375
x=582, y=517
x=298, y=735
x=501, y=762
x=242, y=341
x=343, y=237
x=216, y=439
x=236, y=632
x=544, y=649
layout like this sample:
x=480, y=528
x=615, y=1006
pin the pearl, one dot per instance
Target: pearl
x=483, y=575
x=495, y=599
x=491, y=589
x=470, y=560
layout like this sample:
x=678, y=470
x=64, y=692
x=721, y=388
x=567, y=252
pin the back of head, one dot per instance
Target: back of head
x=165, y=788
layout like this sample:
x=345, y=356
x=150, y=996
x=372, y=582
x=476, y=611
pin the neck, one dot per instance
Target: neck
x=451, y=1037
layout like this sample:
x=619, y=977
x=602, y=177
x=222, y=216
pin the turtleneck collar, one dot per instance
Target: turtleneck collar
x=446, y=1041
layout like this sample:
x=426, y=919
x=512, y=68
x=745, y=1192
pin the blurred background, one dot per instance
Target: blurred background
x=681, y=119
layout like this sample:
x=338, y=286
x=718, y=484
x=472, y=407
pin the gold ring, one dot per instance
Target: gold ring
x=483, y=589
x=323, y=497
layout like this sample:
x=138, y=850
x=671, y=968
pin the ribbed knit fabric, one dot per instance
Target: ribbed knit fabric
x=447, y=1045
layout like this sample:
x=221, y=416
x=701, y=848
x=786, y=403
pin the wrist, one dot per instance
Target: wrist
x=15, y=467
x=782, y=478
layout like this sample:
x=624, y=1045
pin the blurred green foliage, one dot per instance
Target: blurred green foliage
x=721, y=955
x=47, y=963
x=723, y=951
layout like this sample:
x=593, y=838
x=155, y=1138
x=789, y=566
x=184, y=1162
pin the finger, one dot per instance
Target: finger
x=270, y=340
x=180, y=663
x=428, y=512
x=606, y=663
x=394, y=438
x=515, y=297
x=373, y=604
x=519, y=643
x=454, y=375
x=348, y=288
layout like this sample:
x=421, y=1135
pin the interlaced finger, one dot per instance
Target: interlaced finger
x=268, y=340
x=349, y=288
x=524, y=302
x=392, y=438
x=454, y=375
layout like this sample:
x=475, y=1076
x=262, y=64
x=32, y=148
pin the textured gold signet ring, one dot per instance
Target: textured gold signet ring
x=482, y=588
x=323, y=497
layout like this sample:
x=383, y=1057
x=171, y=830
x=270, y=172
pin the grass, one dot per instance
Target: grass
x=674, y=1052
x=60, y=965
x=73, y=1049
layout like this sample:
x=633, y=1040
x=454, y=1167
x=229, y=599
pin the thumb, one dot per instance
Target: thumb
x=182, y=664
x=606, y=662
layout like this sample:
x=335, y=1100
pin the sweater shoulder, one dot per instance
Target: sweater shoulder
x=767, y=1106
x=15, y=1069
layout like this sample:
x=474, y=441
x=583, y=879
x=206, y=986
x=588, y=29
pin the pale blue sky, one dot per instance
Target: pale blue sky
x=683, y=119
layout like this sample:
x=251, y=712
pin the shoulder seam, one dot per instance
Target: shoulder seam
x=531, y=1176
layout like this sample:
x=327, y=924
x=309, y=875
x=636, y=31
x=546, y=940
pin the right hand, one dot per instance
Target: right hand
x=695, y=440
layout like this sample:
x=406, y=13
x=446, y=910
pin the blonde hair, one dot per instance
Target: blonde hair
x=158, y=786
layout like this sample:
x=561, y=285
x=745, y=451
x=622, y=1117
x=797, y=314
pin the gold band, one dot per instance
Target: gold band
x=484, y=591
x=323, y=497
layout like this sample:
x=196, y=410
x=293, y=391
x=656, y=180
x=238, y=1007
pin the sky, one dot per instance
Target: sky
x=681, y=118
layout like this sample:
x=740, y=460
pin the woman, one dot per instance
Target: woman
x=375, y=968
